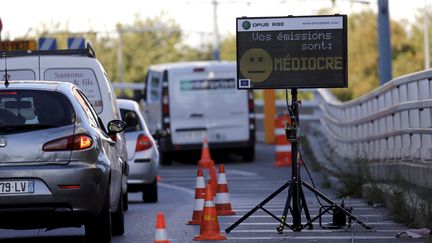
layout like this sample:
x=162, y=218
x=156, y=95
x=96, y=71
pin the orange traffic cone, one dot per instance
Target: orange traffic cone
x=213, y=180
x=161, y=235
x=199, y=198
x=209, y=228
x=205, y=161
x=223, y=204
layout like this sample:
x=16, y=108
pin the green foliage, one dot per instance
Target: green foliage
x=362, y=56
x=354, y=178
x=407, y=52
x=146, y=42
x=228, y=48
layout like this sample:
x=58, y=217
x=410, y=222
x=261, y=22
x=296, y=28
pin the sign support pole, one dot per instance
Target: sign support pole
x=295, y=169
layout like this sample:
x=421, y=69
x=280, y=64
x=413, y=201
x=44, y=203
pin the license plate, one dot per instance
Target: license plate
x=194, y=135
x=13, y=187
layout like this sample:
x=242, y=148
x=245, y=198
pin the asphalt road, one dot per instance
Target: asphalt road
x=249, y=184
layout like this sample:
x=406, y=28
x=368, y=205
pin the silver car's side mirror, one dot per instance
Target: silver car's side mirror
x=116, y=126
x=160, y=133
x=130, y=118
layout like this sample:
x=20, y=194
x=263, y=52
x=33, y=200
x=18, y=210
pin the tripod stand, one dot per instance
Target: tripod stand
x=296, y=201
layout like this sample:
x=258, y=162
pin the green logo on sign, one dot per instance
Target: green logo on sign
x=246, y=25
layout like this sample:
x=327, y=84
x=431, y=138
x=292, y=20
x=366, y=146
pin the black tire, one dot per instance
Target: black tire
x=150, y=192
x=165, y=158
x=98, y=229
x=118, y=218
x=248, y=154
x=126, y=201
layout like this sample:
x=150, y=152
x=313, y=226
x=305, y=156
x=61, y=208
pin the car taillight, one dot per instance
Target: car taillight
x=73, y=142
x=143, y=143
x=165, y=106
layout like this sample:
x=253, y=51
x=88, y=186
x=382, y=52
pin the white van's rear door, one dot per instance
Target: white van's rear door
x=207, y=103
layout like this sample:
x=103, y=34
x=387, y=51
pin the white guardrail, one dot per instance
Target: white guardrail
x=393, y=122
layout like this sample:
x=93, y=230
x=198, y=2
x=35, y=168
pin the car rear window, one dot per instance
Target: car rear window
x=20, y=108
x=84, y=78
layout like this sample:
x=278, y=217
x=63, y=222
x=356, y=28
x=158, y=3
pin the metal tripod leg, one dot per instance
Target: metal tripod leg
x=287, y=207
x=260, y=205
x=306, y=210
x=328, y=200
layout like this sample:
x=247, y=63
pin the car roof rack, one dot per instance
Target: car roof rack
x=88, y=51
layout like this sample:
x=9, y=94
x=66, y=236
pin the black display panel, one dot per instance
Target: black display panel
x=292, y=52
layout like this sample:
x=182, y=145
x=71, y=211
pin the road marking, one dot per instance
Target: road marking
x=315, y=231
x=325, y=216
x=276, y=223
x=242, y=173
x=179, y=188
x=247, y=208
x=310, y=206
x=317, y=238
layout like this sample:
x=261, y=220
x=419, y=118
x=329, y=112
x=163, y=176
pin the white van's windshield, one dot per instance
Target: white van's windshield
x=84, y=78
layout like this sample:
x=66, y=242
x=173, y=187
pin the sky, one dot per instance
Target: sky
x=194, y=16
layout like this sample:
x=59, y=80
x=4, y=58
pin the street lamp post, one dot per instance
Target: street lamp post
x=216, y=44
x=384, y=48
x=426, y=37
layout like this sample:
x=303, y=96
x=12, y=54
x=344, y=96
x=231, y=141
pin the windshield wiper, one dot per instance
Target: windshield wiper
x=18, y=128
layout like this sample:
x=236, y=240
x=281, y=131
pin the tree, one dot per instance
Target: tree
x=145, y=42
x=411, y=50
x=363, y=57
x=228, y=48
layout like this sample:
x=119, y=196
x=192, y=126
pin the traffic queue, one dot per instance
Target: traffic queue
x=85, y=149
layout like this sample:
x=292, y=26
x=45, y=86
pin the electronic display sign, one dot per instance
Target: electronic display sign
x=292, y=52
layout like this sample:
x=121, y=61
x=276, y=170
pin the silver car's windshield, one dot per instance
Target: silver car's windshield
x=23, y=110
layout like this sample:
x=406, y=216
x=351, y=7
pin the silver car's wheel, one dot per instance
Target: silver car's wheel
x=98, y=229
x=125, y=202
x=118, y=218
x=165, y=158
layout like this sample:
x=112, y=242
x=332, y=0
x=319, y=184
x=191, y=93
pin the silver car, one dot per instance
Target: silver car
x=58, y=165
x=142, y=152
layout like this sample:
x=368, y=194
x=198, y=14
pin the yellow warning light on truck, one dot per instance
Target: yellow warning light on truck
x=18, y=45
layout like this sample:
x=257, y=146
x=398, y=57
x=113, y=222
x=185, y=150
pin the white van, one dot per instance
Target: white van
x=80, y=67
x=197, y=100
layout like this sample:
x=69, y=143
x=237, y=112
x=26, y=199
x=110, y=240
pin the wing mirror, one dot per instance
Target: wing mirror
x=131, y=119
x=116, y=126
x=160, y=133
